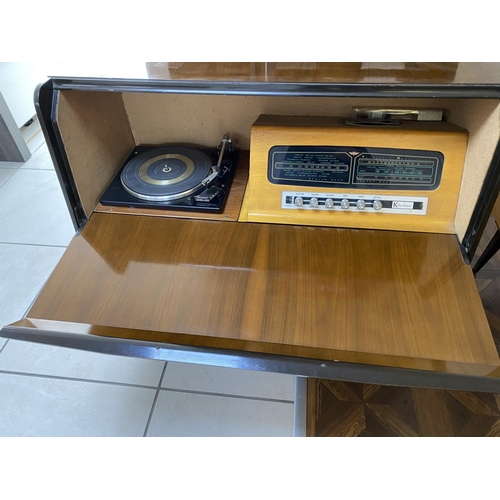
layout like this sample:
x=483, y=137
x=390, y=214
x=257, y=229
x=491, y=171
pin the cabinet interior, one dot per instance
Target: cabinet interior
x=100, y=129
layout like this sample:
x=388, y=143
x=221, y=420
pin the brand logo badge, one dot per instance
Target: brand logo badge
x=407, y=205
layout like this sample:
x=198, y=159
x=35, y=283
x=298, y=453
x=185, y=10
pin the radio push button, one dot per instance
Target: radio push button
x=314, y=203
x=361, y=204
x=345, y=203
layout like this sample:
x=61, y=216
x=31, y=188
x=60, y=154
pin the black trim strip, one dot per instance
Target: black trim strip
x=349, y=372
x=45, y=100
x=298, y=89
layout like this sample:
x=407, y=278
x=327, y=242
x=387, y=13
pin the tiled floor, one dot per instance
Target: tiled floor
x=52, y=391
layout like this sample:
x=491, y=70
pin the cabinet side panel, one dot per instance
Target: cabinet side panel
x=96, y=134
x=482, y=119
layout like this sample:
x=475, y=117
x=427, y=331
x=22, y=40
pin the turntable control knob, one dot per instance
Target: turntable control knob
x=298, y=201
x=377, y=204
x=329, y=203
x=345, y=203
x=313, y=203
x=361, y=204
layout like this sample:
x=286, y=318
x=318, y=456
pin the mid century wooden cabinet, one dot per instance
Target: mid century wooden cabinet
x=387, y=306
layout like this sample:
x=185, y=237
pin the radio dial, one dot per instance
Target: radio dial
x=298, y=201
x=313, y=203
x=377, y=204
x=345, y=203
x=361, y=204
x=329, y=203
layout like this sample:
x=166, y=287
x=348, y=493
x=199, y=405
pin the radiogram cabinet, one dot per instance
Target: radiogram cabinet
x=349, y=301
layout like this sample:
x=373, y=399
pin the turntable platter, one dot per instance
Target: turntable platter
x=164, y=174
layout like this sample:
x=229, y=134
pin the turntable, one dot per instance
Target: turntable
x=176, y=177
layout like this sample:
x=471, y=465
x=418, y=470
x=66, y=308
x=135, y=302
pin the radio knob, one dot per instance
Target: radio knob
x=329, y=203
x=298, y=201
x=345, y=203
x=313, y=203
x=361, y=204
x=377, y=204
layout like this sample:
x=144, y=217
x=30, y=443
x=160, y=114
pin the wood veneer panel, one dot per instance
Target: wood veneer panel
x=231, y=210
x=328, y=72
x=370, y=292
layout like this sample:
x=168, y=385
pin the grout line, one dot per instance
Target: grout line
x=158, y=388
x=76, y=379
x=33, y=137
x=223, y=395
x=36, y=169
x=3, y=347
x=33, y=244
x=153, y=406
x=10, y=176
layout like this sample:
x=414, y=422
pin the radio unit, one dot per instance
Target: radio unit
x=326, y=172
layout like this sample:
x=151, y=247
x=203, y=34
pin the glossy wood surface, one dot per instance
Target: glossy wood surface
x=263, y=198
x=231, y=210
x=362, y=293
x=327, y=72
x=303, y=72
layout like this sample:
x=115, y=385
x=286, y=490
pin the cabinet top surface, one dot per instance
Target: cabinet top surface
x=291, y=77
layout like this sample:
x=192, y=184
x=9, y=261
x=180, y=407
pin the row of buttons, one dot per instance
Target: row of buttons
x=329, y=203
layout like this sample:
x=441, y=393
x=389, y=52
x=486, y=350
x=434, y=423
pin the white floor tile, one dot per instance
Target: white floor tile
x=2, y=343
x=184, y=414
x=36, y=142
x=18, y=85
x=58, y=361
x=10, y=165
x=201, y=378
x=19, y=98
x=40, y=160
x=10, y=71
x=33, y=210
x=32, y=406
x=5, y=173
x=23, y=271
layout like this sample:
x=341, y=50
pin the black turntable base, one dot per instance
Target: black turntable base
x=174, y=177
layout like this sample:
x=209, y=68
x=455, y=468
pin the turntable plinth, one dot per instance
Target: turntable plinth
x=231, y=210
x=387, y=298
